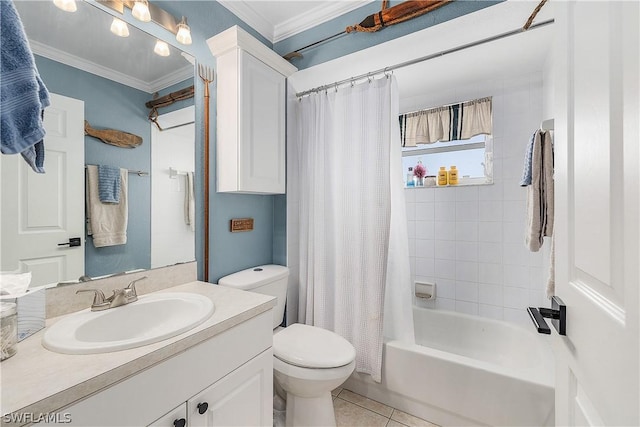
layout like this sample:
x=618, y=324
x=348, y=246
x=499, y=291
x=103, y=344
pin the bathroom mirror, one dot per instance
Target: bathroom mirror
x=78, y=57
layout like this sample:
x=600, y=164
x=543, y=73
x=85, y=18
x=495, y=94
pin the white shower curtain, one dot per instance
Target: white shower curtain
x=352, y=219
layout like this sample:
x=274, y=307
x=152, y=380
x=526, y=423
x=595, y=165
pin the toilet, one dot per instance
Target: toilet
x=308, y=361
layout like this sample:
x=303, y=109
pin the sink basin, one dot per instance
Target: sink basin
x=153, y=318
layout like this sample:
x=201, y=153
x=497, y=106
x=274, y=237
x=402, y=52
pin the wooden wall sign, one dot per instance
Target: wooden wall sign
x=241, y=224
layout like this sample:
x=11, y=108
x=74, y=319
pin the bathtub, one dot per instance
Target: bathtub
x=466, y=370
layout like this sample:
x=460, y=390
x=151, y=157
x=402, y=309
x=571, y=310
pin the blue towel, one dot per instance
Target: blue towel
x=22, y=92
x=109, y=184
x=528, y=156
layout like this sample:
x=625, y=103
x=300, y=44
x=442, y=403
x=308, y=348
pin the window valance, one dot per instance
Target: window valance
x=448, y=123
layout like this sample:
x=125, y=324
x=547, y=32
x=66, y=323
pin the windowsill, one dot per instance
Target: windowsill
x=465, y=182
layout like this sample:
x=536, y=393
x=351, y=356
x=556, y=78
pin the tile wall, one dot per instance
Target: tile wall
x=470, y=240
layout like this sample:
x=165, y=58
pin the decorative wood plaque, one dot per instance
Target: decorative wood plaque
x=241, y=224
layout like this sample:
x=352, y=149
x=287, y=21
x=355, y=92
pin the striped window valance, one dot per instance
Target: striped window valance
x=449, y=123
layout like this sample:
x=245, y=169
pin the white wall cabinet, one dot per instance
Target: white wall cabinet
x=251, y=89
x=232, y=373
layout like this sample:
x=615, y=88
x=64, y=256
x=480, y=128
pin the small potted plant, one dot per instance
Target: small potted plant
x=419, y=171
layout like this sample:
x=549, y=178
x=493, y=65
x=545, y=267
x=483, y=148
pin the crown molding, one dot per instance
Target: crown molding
x=108, y=73
x=314, y=17
x=293, y=25
x=246, y=13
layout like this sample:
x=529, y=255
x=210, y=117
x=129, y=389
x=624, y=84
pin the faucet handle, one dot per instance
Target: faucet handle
x=130, y=290
x=98, y=298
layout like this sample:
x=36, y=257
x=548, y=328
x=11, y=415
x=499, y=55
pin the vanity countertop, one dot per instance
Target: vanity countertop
x=40, y=381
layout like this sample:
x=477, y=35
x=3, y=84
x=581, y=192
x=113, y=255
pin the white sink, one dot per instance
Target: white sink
x=153, y=318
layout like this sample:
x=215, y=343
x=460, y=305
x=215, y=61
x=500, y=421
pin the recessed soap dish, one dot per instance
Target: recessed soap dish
x=425, y=290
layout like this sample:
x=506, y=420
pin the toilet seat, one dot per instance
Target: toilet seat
x=312, y=347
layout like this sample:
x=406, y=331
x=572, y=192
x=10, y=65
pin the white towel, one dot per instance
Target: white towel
x=189, y=202
x=106, y=222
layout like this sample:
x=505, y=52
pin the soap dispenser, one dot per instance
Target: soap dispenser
x=443, y=176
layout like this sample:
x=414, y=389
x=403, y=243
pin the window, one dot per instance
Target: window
x=468, y=155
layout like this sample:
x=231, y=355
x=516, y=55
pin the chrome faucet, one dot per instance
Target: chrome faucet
x=118, y=298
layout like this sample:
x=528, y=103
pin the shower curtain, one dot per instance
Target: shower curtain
x=354, y=260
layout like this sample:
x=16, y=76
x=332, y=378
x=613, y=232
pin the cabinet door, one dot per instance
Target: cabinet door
x=175, y=418
x=242, y=398
x=261, y=127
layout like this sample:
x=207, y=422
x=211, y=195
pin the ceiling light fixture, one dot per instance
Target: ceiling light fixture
x=140, y=11
x=161, y=48
x=119, y=28
x=184, y=32
x=66, y=5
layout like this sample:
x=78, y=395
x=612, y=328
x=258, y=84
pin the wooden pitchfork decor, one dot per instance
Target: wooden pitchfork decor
x=206, y=74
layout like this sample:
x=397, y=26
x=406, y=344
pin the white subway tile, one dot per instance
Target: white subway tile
x=467, y=271
x=467, y=194
x=411, y=228
x=492, y=191
x=467, y=291
x=445, y=288
x=466, y=211
x=518, y=317
x=467, y=231
x=445, y=304
x=425, y=211
x=424, y=195
x=425, y=248
x=490, y=232
x=490, y=252
x=446, y=194
x=490, y=273
x=412, y=247
x=514, y=232
x=515, y=254
x=424, y=267
x=516, y=275
x=514, y=211
x=490, y=294
x=517, y=298
x=490, y=210
x=410, y=195
x=467, y=251
x=411, y=211
x=445, y=269
x=514, y=191
x=445, y=230
x=445, y=211
x=424, y=229
x=467, y=307
x=445, y=249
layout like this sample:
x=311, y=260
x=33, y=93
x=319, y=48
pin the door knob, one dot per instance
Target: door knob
x=557, y=313
x=180, y=422
x=73, y=241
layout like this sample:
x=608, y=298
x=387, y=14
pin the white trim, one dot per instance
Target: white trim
x=109, y=73
x=294, y=25
x=246, y=13
x=237, y=38
x=314, y=17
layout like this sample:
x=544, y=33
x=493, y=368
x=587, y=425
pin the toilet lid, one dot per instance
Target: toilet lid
x=312, y=347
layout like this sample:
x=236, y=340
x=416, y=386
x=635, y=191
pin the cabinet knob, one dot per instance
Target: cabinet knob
x=202, y=407
x=180, y=422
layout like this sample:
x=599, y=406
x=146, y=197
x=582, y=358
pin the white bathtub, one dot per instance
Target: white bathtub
x=466, y=370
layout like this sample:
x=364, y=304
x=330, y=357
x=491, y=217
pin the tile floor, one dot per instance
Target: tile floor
x=354, y=410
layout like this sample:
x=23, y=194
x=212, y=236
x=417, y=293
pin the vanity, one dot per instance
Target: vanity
x=218, y=373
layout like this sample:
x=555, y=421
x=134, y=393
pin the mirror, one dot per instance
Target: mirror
x=79, y=58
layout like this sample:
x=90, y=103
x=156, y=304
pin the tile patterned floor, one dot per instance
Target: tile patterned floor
x=354, y=410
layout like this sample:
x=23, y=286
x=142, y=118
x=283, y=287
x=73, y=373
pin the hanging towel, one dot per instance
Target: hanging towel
x=528, y=154
x=540, y=205
x=22, y=92
x=189, y=202
x=106, y=222
x=109, y=184
x=551, y=280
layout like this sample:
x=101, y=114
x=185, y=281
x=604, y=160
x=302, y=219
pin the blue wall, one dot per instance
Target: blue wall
x=110, y=105
x=354, y=42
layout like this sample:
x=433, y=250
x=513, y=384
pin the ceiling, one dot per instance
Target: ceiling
x=276, y=20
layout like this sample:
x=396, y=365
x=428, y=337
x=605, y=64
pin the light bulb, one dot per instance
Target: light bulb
x=119, y=28
x=66, y=5
x=184, y=32
x=140, y=11
x=161, y=48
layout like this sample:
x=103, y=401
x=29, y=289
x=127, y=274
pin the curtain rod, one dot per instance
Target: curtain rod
x=425, y=58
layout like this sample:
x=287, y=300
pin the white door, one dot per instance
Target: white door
x=42, y=211
x=597, y=233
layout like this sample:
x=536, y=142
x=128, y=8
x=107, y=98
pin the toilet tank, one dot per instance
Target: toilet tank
x=265, y=279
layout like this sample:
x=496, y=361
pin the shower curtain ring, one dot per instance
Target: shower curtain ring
x=336, y=86
x=369, y=77
x=352, y=83
x=386, y=72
